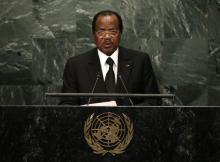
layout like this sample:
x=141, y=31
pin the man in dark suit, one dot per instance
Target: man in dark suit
x=109, y=68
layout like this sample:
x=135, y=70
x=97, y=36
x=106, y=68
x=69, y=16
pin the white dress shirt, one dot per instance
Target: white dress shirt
x=103, y=57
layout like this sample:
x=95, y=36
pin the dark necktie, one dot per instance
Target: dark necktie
x=110, y=77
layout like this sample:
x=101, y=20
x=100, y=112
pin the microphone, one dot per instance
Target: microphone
x=126, y=90
x=94, y=86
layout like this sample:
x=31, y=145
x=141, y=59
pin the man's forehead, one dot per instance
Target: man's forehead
x=107, y=18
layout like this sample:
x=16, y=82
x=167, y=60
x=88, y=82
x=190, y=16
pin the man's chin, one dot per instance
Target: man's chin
x=108, y=51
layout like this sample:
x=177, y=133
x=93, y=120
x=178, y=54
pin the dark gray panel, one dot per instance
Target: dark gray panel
x=49, y=58
x=184, y=65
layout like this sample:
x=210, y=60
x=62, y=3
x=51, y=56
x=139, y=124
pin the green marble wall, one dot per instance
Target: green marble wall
x=181, y=36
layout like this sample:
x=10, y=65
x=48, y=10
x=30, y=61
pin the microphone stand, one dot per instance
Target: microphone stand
x=93, y=88
x=126, y=90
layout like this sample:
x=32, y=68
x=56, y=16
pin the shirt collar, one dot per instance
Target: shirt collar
x=103, y=57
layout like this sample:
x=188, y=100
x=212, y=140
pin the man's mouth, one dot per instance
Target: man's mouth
x=107, y=44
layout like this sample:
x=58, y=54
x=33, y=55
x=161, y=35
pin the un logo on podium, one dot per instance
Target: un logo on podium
x=108, y=133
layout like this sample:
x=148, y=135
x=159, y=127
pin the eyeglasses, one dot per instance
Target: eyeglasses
x=111, y=33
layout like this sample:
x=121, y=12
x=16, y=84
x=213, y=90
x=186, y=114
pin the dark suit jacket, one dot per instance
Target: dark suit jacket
x=135, y=68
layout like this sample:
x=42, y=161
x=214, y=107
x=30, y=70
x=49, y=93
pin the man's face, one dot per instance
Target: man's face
x=107, y=35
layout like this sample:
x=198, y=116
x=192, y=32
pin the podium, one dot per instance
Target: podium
x=49, y=133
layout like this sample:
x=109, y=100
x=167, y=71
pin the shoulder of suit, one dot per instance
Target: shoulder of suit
x=83, y=56
x=133, y=53
x=87, y=55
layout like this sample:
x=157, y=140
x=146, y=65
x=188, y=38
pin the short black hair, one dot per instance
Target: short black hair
x=107, y=13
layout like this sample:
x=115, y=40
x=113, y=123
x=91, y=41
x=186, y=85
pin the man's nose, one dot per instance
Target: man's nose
x=107, y=35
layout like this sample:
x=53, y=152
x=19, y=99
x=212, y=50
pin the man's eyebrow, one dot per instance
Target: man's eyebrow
x=113, y=29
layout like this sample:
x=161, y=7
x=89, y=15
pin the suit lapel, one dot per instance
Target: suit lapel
x=125, y=64
x=94, y=69
x=124, y=68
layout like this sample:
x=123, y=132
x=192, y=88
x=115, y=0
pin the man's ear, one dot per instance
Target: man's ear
x=92, y=36
x=120, y=36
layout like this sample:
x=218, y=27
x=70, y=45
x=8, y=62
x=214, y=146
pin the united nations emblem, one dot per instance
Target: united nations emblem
x=108, y=133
